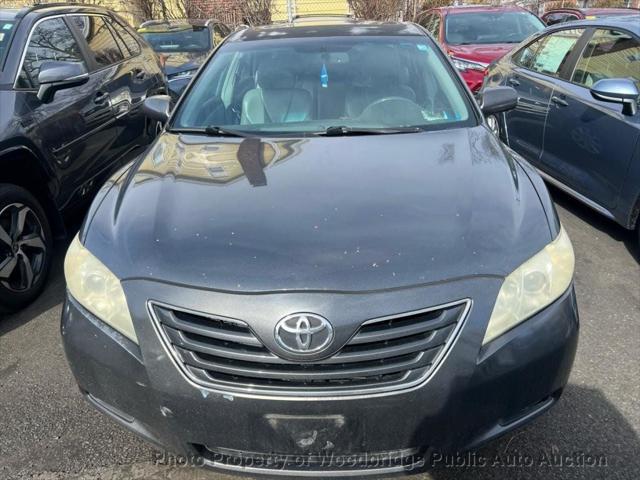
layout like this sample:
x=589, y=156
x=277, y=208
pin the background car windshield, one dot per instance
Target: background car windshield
x=5, y=33
x=490, y=27
x=192, y=39
x=308, y=85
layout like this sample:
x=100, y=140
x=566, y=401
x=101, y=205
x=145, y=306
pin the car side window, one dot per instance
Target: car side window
x=99, y=38
x=551, y=52
x=51, y=40
x=524, y=58
x=218, y=34
x=132, y=45
x=609, y=54
x=561, y=17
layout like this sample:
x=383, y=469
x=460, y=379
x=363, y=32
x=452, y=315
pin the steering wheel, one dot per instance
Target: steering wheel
x=393, y=111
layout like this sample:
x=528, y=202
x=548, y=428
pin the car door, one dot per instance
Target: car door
x=536, y=68
x=144, y=80
x=114, y=76
x=589, y=143
x=75, y=126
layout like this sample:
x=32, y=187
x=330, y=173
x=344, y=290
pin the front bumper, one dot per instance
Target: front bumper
x=478, y=394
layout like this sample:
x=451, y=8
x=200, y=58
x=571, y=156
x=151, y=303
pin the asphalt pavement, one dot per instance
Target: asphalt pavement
x=48, y=431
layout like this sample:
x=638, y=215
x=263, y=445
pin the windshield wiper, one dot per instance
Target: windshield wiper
x=343, y=131
x=224, y=132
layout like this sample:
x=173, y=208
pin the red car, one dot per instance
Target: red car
x=561, y=15
x=475, y=36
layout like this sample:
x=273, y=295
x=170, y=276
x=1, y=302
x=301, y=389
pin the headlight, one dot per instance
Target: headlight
x=464, y=65
x=533, y=286
x=97, y=289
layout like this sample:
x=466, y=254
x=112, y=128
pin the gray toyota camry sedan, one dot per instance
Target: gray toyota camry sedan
x=325, y=265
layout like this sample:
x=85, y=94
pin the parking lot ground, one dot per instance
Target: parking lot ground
x=47, y=431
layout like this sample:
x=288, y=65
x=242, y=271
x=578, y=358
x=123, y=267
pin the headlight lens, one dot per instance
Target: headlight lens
x=533, y=286
x=464, y=65
x=97, y=289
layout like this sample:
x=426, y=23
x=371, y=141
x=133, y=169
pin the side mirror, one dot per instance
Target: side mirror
x=618, y=90
x=56, y=76
x=498, y=99
x=157, y=107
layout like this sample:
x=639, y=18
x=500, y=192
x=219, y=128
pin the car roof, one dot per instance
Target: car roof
x=626, y=22
x=174, y=24
x=455, y=9
x=594, y=10
x=45, y=9
x=326, y=28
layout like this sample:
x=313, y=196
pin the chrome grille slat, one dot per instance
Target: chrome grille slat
x=284, y=385
x=180, y=339
x=313, y=371
x=389, y=352
x=375, y=331
x=169, y=318
x=433, y=340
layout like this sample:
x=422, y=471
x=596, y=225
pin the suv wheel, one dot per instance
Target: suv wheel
x=25, y=247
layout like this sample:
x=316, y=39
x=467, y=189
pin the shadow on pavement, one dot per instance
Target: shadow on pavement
x=599, y=222
x=584, y=436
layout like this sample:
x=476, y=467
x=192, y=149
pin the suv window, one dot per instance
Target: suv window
x=130, y=42
x=550, y=53
x=609, y=54
x=99, y=38
x=219, y=32
x=5, y=34
x=554, y=18
x=51, y=40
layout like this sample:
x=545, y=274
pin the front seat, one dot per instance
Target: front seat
x=275, y=99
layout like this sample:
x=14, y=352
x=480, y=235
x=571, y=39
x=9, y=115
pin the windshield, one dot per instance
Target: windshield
x=477, y=28
x=310, y=85
x=191, y=39
x=6, y=28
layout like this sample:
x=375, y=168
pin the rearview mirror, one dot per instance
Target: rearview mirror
x=157, y=107
x=498, y=99
x=618, y=90
x=56, y=76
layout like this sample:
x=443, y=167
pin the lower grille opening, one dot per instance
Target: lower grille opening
x=339, y=382
x=326, y=461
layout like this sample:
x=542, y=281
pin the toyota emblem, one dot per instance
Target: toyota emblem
x=304, y=333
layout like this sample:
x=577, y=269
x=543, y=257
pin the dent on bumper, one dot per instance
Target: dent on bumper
x=512, y=380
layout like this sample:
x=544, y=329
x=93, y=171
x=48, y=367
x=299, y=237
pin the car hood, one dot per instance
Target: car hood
x=481, y=53
x=340, y=214
x=182, y=61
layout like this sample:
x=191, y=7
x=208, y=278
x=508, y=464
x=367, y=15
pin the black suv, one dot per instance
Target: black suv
x=182, y=45
x=72, y=82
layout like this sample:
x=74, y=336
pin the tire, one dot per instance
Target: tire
x=26, y=248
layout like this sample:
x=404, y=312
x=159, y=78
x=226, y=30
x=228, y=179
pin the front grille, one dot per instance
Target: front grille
x=391, y=352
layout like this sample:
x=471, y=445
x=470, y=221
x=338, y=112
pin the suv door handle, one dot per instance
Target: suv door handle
x=138, y=73
x=513, y=82
x=100, y=98
x=559, y=101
